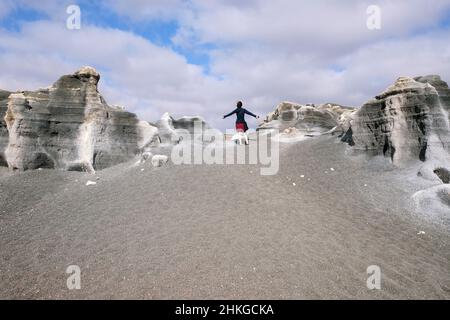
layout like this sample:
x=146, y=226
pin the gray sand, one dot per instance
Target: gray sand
x=190, y=232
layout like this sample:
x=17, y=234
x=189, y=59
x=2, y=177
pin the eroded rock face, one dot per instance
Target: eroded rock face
x=305, y=118
x=440, y=86
x=3, y=129
x=406, y=122
x=171, y=131
x=70, y=126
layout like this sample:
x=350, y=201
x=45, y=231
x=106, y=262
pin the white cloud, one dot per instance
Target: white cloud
x=264, y=52
x=310, y=26
x=136, y=73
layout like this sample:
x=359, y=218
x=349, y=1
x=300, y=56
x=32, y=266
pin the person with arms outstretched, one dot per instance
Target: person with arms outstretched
x=241, y=124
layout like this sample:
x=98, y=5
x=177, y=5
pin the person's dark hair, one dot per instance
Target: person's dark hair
x=239, y=104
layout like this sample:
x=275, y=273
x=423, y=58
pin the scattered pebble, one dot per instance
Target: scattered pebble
x=142, y=169
x=91, y=183
x=159, y=160
x=293, y=183
x=332, y=169
x=365, y=185
x=421, y=232
x=302, y=176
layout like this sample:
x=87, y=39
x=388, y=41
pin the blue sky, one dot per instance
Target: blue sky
x=98, y=14
x=14, y=19
x=198, y=57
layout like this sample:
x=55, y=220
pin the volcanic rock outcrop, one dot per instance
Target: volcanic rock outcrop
x=172, y=131
x=306, y=118
x=69, y=126
x=406, y=122
x=3, y=129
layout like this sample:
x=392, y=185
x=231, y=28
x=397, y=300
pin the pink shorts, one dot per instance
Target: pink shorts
x=240, y=127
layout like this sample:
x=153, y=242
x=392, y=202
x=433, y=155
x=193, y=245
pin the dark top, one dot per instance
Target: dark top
x=240, y=114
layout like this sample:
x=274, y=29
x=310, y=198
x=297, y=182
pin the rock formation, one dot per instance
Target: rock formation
x=69, y=126
x=409, y=122
x=3, y=129
x=406, y=122
x=308, y=119
x=159, y=160
x=171, y=131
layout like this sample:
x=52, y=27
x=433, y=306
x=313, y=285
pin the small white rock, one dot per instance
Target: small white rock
x=332, y=169
x=421, y=232
x=302, y=176
x=293, y=183
x=145, y=156
x=158, y=160
x=91, y=183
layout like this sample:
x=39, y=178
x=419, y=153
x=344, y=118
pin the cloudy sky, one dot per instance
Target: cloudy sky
x=198, y=57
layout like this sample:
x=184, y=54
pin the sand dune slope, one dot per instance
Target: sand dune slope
x=221, y=231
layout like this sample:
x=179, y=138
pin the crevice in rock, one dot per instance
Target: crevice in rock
x=386, y=145
x=392, y=153
x=443, y=174
x=27, y=105
x=94, y=159
x=423, y=151
x=42, y=160
x=422, y=127
x=388, y=148
x=3, y=162
x=348, y=137
x=79, y=166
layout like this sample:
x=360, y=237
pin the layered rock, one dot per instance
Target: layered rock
x=306, y=118
x=440, y=86
x=70, y=126
x=172, y=131
x=406, y=122
x=3, y=128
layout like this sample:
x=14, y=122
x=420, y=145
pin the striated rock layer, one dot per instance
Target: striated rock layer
x=305, y=118
x=3, y=128
x=70, y=126
x=406, y=122
x=172, y=131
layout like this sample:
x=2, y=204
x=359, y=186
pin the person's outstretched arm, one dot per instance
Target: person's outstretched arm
x=227, y=115
x=249, y=113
